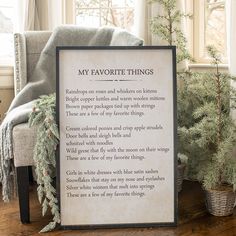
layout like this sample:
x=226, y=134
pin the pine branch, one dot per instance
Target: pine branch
x=44, y=117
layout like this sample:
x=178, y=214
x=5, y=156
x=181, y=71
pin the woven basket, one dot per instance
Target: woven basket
x=220, y=202
x=180, y=176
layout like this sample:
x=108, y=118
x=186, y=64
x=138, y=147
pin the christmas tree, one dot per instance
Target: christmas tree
x=214, y=130
x=167, y=26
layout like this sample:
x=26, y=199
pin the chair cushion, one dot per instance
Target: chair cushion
x=24, y=139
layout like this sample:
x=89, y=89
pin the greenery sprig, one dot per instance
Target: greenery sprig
x=43, y=117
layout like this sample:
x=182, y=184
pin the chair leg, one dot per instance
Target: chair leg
x=23, y=193
x=31, y=178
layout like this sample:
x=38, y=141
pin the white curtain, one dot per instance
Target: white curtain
x=231, y=34
x=143, y=14
x=55, y=13
x=38, y=14
x=141, y=20
x=231, y=40
x=19, y=15
x=32, y=15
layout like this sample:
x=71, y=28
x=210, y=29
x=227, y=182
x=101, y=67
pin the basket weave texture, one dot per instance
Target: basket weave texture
x=220, y=203
x=180, y=176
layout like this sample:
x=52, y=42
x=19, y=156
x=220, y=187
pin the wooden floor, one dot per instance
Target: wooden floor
x=193, y=220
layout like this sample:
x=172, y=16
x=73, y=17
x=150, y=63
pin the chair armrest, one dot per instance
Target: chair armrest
x=20, y=75
x=28, y=47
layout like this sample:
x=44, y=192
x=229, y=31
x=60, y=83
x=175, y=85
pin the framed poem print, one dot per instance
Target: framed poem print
x=116, y=112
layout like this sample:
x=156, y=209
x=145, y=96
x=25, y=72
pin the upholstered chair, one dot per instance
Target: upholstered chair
x=28, y=47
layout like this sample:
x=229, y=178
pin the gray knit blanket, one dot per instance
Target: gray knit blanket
x=43, y=81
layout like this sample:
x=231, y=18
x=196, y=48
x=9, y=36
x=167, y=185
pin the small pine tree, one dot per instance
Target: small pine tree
x=214, y=131
x=168, y=27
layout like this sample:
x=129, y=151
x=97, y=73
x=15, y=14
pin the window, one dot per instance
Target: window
x=209, y=28
x=6, y=31
x=119, y=13
x=215, y=27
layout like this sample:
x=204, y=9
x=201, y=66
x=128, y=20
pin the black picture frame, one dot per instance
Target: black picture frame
x=123, y=225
